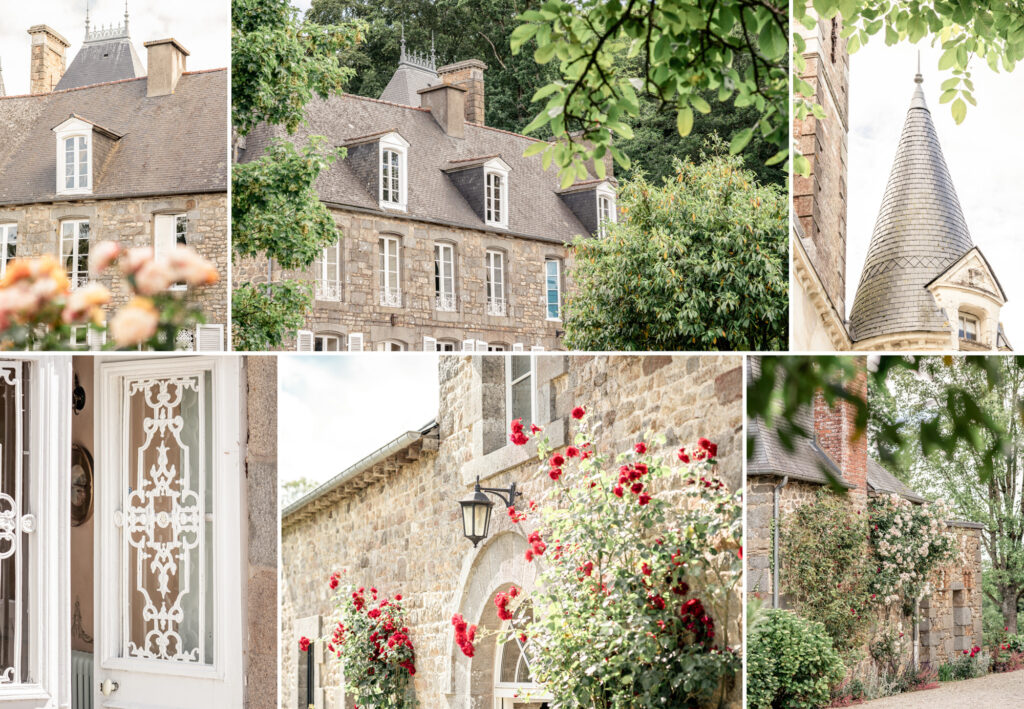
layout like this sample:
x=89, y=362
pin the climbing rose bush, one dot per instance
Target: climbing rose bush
x=370, y=637
x=636, y=582
x=907, y=541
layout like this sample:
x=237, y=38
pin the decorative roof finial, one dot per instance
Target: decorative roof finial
x=87, y=19
x=126, y=17
x=918, y=79
x=402, y=57
x=433, y=56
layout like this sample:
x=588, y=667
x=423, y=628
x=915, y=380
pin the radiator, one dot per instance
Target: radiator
x=81, y=680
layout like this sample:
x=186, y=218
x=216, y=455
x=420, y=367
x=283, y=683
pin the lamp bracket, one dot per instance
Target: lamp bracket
x=507, y=495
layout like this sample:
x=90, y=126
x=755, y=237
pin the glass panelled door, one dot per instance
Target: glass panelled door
x=171, y=550
x=16, y=522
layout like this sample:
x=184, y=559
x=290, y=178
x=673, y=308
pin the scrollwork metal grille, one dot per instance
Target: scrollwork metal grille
x=14, y=524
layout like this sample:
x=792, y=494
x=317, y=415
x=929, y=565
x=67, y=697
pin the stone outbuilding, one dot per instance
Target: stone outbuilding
x=779, y=481
x=108, y=150
x=392, y=519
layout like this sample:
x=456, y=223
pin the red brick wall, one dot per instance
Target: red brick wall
x=835, y=431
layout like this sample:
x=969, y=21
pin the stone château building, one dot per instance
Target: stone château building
x=392, y=519
x=780, y=481
x=925, y=285
x=104, y=150
x=449, y=239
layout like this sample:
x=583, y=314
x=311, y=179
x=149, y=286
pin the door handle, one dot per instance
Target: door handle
x=108, y=687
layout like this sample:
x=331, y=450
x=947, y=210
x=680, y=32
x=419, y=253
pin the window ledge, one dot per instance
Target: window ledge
x=510, y=456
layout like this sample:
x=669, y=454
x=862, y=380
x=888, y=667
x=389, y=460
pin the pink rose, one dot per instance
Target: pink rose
x=134, y=323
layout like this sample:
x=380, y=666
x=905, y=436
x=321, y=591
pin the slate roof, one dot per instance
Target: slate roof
x=407, y=80
x=920, y=231
x=99, y=62
x=881, y=480
x=536, y=210
x=805, y=462
x=174, y=144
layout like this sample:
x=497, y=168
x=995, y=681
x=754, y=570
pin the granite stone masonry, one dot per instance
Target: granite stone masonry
x=393, y=520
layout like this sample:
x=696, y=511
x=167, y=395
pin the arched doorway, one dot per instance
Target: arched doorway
x=514, y=687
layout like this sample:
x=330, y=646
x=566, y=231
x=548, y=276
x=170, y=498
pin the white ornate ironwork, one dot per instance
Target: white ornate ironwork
x=328, y=290
x=186, y=340
x=163, y=523
x=446, y=302
x=391, y=298
x=13, y=524
x=496, y=306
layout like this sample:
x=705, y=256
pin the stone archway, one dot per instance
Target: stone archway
x=496, y=565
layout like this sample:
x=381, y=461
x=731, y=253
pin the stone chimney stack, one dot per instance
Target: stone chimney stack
x=468, y=75
x=447, y=104
x=48, y=60
x=835, y=430
x=165, y=64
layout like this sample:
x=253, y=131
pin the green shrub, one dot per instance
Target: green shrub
x=964, y=667
x=791, y=663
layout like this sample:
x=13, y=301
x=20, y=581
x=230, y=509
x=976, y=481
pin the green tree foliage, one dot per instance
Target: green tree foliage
x=790, y=663
x=278, y=64
x=991, y=31
x=698, y=262
x=686, y=47
x=997, y=502
x=295, y=489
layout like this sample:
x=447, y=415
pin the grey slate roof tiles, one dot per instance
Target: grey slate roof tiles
x=881, y=480
x=535, y=208
x=920, y=232
x=406, y=82
x=102, y=62
x=175, y=144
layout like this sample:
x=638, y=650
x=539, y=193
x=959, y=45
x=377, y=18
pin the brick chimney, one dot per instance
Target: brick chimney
x=835, y=429
x=447, y=104
x=468, y=75
x=165, y=64
x=48, y=60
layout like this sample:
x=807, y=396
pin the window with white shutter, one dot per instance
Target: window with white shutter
x=209, y=338
x=304, y=341
x=355, y=342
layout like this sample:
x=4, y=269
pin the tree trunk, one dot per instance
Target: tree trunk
x=1009, y=609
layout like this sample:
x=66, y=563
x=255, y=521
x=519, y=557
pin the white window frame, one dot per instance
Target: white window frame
x=965, y=319
x=7, y=230
x=164, y=243
x=78, y=277
x=390, y=293
x=494, y=264
x=532, y=376
x=558, y=289
x=444, y=273
x=606, y=198
x=505, y=693
x=497, y=347
x=393, y=142
x=324, y=339
x=499, y=169
x=74, y=128
x=446, y=346
x=326, y=287
x=390, y=346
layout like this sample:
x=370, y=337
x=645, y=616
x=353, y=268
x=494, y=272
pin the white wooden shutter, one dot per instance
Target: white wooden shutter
x=304, y=341
x=468, y=345
x=537, y=348
x=163, y=235
x=355, y=342
x=209, y=338
x=429, y=344
x=95, y=338
x=517, y=347
x=481, y=346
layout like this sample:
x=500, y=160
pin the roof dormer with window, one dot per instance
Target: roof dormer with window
x=593, y=202
x=484, y=183
x=82, y=146
x=382, y=162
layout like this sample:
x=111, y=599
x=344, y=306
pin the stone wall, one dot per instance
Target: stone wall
x=758, y=525
x=402, y=532
x=130, y=223
x=359, y=309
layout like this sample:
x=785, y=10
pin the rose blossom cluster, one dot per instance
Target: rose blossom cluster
x=630, y=476
x=537, y=545
x=973, y=651
x=464, y=634
x=705, y=450
x=501, y=601
x=907, y=540
x=34, y=289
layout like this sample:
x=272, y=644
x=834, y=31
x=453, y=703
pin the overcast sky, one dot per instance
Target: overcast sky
x=202, y=27
x=985, y=155
x=334, y=410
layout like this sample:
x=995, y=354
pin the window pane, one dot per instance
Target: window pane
x=13, y=547
x=520, y=366
x=522, y=407
x=83, y=163
x=181, y=230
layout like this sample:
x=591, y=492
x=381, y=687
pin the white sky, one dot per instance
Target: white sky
x=202, y=27
x=985, y=155
x=334, y=410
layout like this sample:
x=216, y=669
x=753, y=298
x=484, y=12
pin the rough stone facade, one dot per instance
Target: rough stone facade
x=397, y=525
x=358, y=308
x=129, y=222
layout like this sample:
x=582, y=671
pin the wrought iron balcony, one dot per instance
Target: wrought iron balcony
x=391, y=298
x=328, y=290
x=496, y=306
x=447, y=302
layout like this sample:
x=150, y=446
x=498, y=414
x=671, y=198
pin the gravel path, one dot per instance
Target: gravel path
x=1000, y=691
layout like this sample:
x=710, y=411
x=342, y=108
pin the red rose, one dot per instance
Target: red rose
x=644, y=498
x=618, y=491
x=304, y=644
x=375, y=613
x=578, y=412
x=572, y=452
x=517, y=426
x=557, y=461
x=682, y=455
x=588, y=568
x=646, y=569
x=637, y=488
x=398, y=596
x=555, y=473
x=534, y=428
x=519, y=438
x=640, y=448
x=740, y=553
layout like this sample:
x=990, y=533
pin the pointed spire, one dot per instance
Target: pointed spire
x=87, y=19
x=918, y=99
x=433, y=55
x=402, y=57
x=126, y=16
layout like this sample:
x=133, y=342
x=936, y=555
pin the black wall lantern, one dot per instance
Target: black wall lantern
x=476, y=510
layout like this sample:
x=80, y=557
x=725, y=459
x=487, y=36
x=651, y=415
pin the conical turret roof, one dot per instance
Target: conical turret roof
x=919, y=233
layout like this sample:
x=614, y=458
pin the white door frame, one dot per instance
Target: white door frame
x=222, y=681
x=48, y=591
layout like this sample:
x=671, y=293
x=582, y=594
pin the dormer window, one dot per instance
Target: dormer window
x=605, y=210
x=78, y=141
x=76, y=163
x=393, y=176
x=496, y=194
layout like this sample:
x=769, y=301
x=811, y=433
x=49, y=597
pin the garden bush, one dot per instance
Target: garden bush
x=791, y=663
x=973, y=663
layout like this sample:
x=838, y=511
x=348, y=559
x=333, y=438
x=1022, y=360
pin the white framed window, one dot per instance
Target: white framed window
x=446, y=346
x=169, y=231
x=327, y=270
x=393, y=177
x=74, y=250
x=474, y=346
x=390, y=346
x=355, y=342
x=444, y=277
x=74, y=156
x=553, y=288
x=495, y=278
x=85, y=337
x=513, y=681
x=390, y=273
x=8, y=245
x=496, y=176
x=326, y=343
x=304, y=341
x=519, y=388
x=495, y=347
x=968, y=327
x=606, y=213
